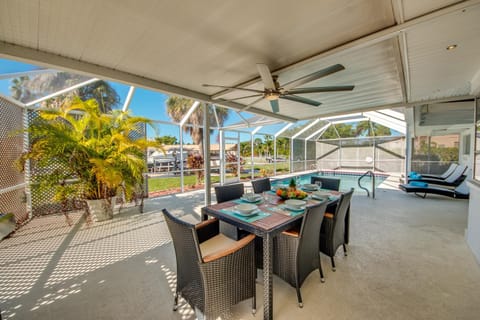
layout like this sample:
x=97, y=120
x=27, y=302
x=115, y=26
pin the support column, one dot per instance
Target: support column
x=206, y=154
x=274, y=156
x=221, y=153
x=305, y=164
x=251, y=157
x=182, y=187
x=291, y=155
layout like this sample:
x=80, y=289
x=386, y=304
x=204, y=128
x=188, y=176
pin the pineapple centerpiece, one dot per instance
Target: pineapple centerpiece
x=291, y=192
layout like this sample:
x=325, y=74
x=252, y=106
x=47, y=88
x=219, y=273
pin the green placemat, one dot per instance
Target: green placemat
x=240, y=201
x=258, y=216
x=293, y=213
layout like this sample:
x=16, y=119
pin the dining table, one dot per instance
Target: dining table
x=272, y=217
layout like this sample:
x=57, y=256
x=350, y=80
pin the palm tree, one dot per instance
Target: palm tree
x=18, y=91
x=257, y=146
x=26, y=89
x=364, y=128
x=177, y=108
x=100, y=151
x=106, y=97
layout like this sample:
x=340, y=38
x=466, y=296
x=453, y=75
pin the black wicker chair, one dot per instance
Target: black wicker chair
x=261, y=185
x=226, y=193
x=332, y=234
x=327, y=183
x=229, y=192
x=296, y=251
x=213, y=272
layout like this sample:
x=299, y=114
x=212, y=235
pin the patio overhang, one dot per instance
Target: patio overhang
x=394, y=53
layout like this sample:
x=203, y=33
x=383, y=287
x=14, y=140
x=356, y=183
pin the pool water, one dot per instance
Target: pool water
x=347, y=180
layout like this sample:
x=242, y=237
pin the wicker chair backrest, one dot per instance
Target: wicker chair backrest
x=327, y=183
x=261, y=185
x=308, y=244
x=339, y=217
x=229, y=192
x=187, y=253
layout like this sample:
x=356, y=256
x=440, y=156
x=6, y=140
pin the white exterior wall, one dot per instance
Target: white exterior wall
x=473, y=227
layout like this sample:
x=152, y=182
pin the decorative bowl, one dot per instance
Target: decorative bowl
x=310, y=187
x=295, y=204
x=320, y=195
x=251, y=197
x=245, y=208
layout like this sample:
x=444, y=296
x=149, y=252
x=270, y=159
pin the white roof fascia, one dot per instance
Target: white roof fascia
x=387, y=121
x=55, y=94
x=189, y=113
x=325, y=127
x=128, y=99
x=394, y=114
x=254, y=131
x=350, y=120
x=314, y=122
x=342, y=116
x=279, y=132
x=216, y=115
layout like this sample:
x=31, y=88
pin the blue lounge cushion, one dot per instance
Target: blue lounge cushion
x=418, y=184
x=414, y=175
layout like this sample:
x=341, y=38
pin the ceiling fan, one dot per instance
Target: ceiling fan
x=289, y=91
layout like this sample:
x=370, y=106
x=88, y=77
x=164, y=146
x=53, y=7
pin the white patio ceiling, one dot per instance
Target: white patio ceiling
x=394, y=51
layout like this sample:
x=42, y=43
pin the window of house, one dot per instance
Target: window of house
x=434, y=154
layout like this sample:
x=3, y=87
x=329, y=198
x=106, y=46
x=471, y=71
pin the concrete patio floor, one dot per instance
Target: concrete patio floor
x=407, y=260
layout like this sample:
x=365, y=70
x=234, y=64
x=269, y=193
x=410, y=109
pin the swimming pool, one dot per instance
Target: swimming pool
x=347, y=179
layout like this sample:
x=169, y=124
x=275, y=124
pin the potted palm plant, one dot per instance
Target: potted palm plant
x=95, y=154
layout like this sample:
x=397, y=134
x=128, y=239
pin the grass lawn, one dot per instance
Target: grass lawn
x=167, y=183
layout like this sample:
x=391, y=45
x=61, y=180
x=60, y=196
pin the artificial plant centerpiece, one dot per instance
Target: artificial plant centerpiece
x=94, y=154
x=291, y=192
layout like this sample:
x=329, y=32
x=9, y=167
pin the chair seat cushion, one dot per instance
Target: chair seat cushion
x=418, y=184
x=294, y=232
x=328, y=215
x=216, y=244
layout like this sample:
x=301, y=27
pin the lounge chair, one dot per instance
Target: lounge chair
x=442, y=176
x=460, y=192
x=453, y=180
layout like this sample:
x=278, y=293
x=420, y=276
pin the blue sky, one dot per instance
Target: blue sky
x=145, y=103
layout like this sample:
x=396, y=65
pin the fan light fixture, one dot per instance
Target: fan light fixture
x=272, y=96
x=451, y=47
x=273, y=91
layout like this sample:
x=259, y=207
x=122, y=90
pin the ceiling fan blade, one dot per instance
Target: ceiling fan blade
x=313, y=76
x=248, y=106
x=275, y=106
x=320, y=89
x=234, y=88
x=252, y=96
x=266, y=76
x=301, y=100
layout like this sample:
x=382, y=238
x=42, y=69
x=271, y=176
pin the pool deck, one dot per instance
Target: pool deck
x=407, y=260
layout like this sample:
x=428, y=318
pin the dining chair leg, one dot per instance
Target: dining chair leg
x=254, y=298
x=175, y=302
x=333, y=264
x=299, y=297
x=344, y=249
x=322, y=279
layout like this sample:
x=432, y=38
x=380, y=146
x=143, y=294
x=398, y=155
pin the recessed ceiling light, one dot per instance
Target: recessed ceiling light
x=451, y=47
